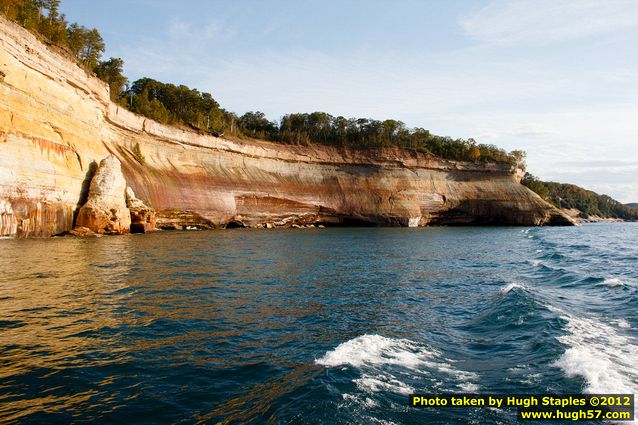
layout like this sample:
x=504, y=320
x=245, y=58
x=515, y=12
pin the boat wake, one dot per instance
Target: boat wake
x=383, y=364
x=598, y=353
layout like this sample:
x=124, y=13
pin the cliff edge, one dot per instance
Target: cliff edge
x=57, y=122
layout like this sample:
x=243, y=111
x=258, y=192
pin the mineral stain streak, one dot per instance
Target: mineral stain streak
x=197, y=181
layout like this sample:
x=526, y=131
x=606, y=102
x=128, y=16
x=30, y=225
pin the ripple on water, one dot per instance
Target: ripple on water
x=335, y=326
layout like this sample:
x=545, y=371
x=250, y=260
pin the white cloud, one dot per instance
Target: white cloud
x=547, y=21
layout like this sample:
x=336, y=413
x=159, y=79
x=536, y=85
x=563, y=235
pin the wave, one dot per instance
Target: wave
x=384, y=382
x=613, y=282
x=376, y=350
x=384, y=363
x=596, y=352
x=512, y=286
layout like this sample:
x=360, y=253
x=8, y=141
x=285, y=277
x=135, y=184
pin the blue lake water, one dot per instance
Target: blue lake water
x=313, y=325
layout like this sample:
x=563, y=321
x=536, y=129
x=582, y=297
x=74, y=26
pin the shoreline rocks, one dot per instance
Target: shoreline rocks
x=106, y=211
x=142, y=216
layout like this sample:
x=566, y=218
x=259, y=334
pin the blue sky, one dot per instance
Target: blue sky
x=558, y=79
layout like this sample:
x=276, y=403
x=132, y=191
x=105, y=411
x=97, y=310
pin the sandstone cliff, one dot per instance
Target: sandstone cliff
x=57, y=123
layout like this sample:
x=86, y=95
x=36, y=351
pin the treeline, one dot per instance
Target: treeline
x=323, y=128
x=181, y=105
x=43, y=17
x=571, y=196
x=171, y=104
x=39, y=16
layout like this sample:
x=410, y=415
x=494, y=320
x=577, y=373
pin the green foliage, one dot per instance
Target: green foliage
x=255, y=124
x=137, y=152
x=111, y=71
x=171, y=104
x=323, y=128
x=86, y=44
x=28, y=14
x=10, y=8
x=40, y=16
x=536, y=185
x=43, y=17
x=153, y=109
x=571, y=196
x=181, y=105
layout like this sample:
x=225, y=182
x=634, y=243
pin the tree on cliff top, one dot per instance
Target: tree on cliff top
x=86, y=44
x=172, y=104
x=255, y=124
x=43, y=17
x=181, y=105
x=111, y=71
x=10, y=8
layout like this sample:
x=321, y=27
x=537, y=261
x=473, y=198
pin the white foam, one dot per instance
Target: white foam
x=622, y=323
x=376, y=350
x=613, y=282
x=536, y=263
x=378, y=357
x=469, y=387
x=381, y=421
x=371, y=384
x=606, y=359
x=367, y=401
x=459, y=374
x=510, y=287
x=533, y=379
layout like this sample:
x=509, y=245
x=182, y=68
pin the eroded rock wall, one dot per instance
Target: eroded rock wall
x=57, y=123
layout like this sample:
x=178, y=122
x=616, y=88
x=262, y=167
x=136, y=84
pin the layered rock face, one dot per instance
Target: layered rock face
x=57, y=122
x=106, y=210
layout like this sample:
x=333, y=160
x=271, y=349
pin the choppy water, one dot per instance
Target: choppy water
x=312, y=326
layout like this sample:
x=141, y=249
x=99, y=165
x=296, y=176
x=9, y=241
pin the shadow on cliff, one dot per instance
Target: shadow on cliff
x=84, y=192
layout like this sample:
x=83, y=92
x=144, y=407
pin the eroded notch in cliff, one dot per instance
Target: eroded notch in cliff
x=84, y=191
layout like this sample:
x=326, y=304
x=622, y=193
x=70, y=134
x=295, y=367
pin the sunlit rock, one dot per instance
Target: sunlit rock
x=56, y=119
x=142, y=216
x=106, y=211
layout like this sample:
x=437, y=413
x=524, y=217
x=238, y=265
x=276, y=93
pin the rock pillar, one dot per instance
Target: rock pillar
x=106, y=211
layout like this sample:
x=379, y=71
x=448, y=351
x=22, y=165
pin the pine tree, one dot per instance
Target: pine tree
x=111, y=71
